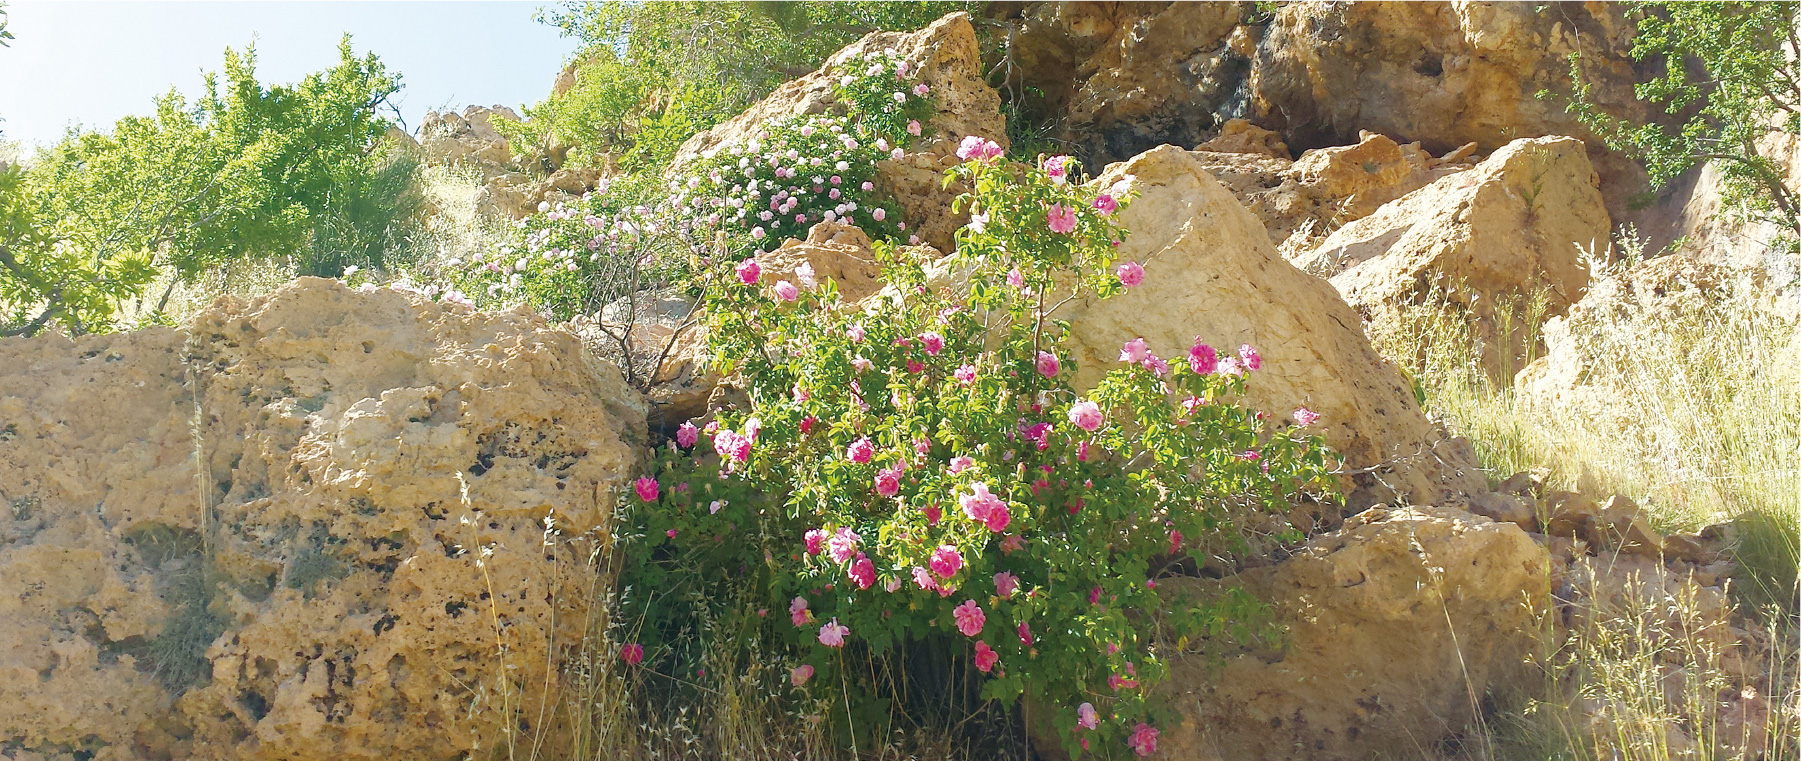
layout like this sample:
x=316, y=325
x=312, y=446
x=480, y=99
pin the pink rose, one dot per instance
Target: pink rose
x=862, y=572
x=800, y=674
x=1202, y=359
x=855, y=332
x=970, y=618
x=961, y=463
x=1134, y=351
x=1086, y=415
x=1252, y=360
x=1025, y=634
x=1130, y=274
x=1143, y=740
x=1058, y=168
x=986, y=657
x=832, y=634
x=749, y=271
x=1005, y=584
x=1047, y=364
x=946, y=561
x=860, y=451
x=970, y=148
x=923, y=578
x=842, y=544
x=932, y=342
x=966, y=374
x=1305, y=417
x=786, y=291
x=1013, y=543
x=887, y=481
x=981, y=506
x=1105, y=204
x=632, y=654
x=798, y=613
x=1061, y=219
x=804, y=273
x=1087, y=717
x=647, y=489
x=687, y=435
x=913, y=127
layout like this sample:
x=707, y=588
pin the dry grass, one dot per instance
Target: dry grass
x=1693, y=409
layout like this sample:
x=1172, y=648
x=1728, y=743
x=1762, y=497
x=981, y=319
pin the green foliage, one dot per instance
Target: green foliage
x=295, y=173
x=651, y=74
x=4, y=34
x=640, y=230
x=921, y=471
x=1729, y=71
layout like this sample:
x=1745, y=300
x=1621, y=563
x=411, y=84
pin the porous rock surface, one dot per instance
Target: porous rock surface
x=308, y=526
x=1396, y=625
x=1302, y=202
x=1125, y=77
x=1211, y=272
x=1513, y=230
x=948, y=59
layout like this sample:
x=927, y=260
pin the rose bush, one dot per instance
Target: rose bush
x=648, y=229
x=918, y=468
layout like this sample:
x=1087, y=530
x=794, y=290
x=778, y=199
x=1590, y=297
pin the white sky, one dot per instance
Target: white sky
x=93, y=62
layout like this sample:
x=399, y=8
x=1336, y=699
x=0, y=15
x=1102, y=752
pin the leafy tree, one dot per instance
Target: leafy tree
x=1732, y=73
x=300, y=174
x=651, y=74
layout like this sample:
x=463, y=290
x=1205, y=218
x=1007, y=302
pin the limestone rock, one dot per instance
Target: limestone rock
x=1302, y=202
x=1123, y=78
x=514, y=195
x=1241, y=136
x=308, y=526
x=468, y=139
x=1489, y=241
x=1211, y=272
x=1393, y=622
x=949, y=60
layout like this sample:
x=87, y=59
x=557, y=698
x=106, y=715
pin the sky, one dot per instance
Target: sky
x=90, y=63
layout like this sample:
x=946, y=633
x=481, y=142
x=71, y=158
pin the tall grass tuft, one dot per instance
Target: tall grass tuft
x=1689, y=401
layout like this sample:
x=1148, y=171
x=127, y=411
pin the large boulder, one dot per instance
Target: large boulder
x=321, y=524
x=1506, y=238
x=1302, y=202
x=1398, y=627
x=1120, y=78
x=948, y=59
x=1211, y=272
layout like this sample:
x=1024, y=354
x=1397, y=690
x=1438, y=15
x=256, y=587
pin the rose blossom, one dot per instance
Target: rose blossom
x=1087, y=717
x=860, y=451
x=986, y=657
x=1252, y=360
x=966, y=374
x=1130, y=274
x=842, y=545
x=932, y=342
x=798, y=613
x=1105, y=204
x=946, y=561
x=1025, y=634
x=887, y=481
x=1047, y=364
x=632, y=654
x=815, y=541
x=1202, y=359
x=1005, y=584
x=1058, y=168
x=961, y=463
x=1086, y=415
x=923, y=578
x=647, y=489
x=983, y=507
x=800, y=674
x=804, y=273
x=862, y=572
x=786, y=291
x=749, y=271
x=1060, y=219
x=1305, y=417
x=1143, y=740
x=1134, y=351
x=687, y=435
x=832, y=634
x=970, y=618
x=913, y=127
